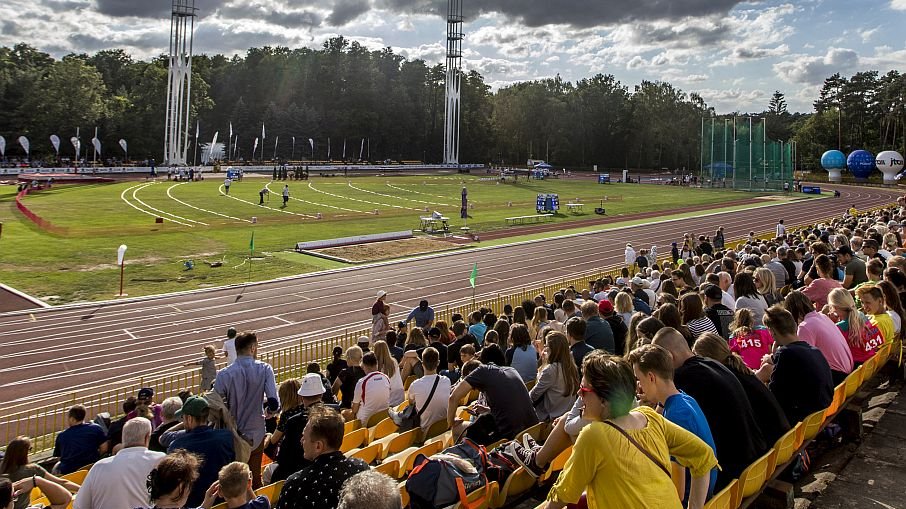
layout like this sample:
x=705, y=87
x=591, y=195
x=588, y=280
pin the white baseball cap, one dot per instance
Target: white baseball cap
x=381, y=293
x=311, y=385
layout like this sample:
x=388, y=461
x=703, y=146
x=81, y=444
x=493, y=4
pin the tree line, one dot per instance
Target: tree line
x=346, y=93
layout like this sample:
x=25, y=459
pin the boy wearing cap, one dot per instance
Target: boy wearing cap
x=196, y=436
x=291, y=457
x=721, y=315
x=144, y=398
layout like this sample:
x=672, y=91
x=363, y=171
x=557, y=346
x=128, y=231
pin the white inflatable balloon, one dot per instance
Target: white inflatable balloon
x=890, y=163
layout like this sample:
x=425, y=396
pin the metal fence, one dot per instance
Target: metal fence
x=44, y=422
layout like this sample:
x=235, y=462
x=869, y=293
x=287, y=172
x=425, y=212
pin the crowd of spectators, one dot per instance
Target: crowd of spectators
x=704, y=360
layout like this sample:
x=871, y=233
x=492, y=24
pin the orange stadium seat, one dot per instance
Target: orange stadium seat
x=753, y=477
x=724, y=498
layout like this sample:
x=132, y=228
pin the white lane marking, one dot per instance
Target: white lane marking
x=169, y=193
x=143, y=211
x=284, y=320
x=316, y=204
x=161, y=212
x=416, y=192
x=268, y=187
x=349, y=198
x=398, y=197
x=131, y=335
x=262, y=206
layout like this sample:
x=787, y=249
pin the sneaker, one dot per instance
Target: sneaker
x=529, y=443
x=525, y=457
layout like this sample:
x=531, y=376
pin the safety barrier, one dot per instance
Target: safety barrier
x=35, y=218
x=44, y=422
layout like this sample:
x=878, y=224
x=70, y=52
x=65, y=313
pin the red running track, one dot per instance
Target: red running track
x=86, y=349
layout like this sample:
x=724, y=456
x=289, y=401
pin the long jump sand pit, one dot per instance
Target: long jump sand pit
x=377, y=251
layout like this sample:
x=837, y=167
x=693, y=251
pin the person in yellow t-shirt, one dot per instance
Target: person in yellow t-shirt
x=605, y=464
x=872, y=300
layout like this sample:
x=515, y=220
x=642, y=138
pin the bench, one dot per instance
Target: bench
x=534, y=218
x=575, y=207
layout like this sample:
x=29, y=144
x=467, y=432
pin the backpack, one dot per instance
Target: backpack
x=500, y=465
x=442, y=480
x=220, y=417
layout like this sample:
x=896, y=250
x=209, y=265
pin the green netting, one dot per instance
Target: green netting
x=736, y=153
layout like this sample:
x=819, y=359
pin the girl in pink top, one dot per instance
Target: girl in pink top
x=864, y=338
x=750, y=342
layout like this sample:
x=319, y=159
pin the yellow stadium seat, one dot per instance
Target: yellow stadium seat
x=837, y=402
x=786, y=446
x=530, y=384
x=404, y=495
x=390, y=468
x=399, y=442
x=853, y=382
x=351, y=426
x=724, y=498
x=409, y=380
x=883, y=353
x=271, y=491
x=220, y=506
x=77, y=477
x=376, y=418
x=438, y=428
x=753, y=477
x=354, y=440
x=480, y=498
x=519, y=482
x=558, y=464
x=870, y=367
x=811, y=425
x=407, y=457
x=535, y=431
x=381, y=430
x=367, y=454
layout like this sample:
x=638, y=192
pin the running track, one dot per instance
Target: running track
x=89, y=348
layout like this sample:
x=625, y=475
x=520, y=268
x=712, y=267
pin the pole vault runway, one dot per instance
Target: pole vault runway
x=52, y=354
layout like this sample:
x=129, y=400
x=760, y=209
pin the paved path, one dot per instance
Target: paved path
x=85, y=349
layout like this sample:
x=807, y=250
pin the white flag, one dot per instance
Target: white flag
x=55, y=141
x=262, y=132
x=231, y=130
x=2, y=146
x=76, y=144
x=97, y=145
x=328, y=148
x=120, y=254
x=362, y=150
x=197, y=128
x=24, y=142
x=255, y=147
x=312, y=143
x=344, y=148
x=124, y=145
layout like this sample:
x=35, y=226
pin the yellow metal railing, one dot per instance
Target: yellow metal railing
x=44, y=422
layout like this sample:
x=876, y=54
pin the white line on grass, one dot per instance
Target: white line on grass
x=149, y=207
x=397, y=197
x=319, y=204
x=143, y=211
x=416, y=192
x=262, y=206
x=199, y=208
x=313, y=188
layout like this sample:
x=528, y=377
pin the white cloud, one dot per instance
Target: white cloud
x=898, y=5
x=812, y=70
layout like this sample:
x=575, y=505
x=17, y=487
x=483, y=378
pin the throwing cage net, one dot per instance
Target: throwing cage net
x=736, y=154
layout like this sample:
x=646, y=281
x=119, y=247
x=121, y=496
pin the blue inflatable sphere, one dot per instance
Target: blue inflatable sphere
x=861, y=163
x=833, y=160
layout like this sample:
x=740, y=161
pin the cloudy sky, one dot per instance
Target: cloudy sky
x=735, y=54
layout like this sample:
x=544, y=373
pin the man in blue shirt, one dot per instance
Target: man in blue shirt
x=476, y=327
x=653, y=367
x=423, y=316
x=214, y=446
x=82, y=443
x=243, y=385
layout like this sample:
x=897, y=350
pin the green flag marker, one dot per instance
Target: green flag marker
x=252, y=244
x=474, y=277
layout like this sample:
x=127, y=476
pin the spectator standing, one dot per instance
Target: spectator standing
x=208, y=368
x=433, y=408
x=372, y=392
x=598, y=333
x=214, y=446
x=318, y=486
x=780, y=229
x=229, y=345
x=15, y=467
x=82, y=443
x=798, y=374
x=380, y=326
x=243, y=386
x=423, y=316
x=119, y=481
x=555, y=392
x=629, y=256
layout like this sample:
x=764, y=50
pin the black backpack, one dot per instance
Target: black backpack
x=437, y=483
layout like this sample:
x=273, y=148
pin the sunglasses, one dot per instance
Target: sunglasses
x=585, y=390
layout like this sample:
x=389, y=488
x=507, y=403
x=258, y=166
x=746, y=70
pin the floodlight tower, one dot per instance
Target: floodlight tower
x=179, y=82
x=454, y=82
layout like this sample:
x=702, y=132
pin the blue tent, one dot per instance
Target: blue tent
x=543, y=166
x=720, y=169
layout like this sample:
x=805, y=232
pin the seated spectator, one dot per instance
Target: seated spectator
x=290, y=458
x=653, y=368
x=539, y=321
x=893, y=306
x=15, y=467
x=119, y=481
x=11, y=492
x=388, y=366
x=555, y=392
x=575, y=331
x=168, y=411
x=522, y=356
x=693, y=315
x=765, y=282
x=446, y=335
x=509, y=409
x=863, y=337
x=318, y=486
x=872, y=299
x=798, y=373
x=751, y=342
x=291, y=405
x=115, y=430
x=719, y=314
x=81, y=444
x=723, y=400
x=818, y=289
x=423, y=316
x=492, y=354
x=173, y=480
x=214, y=446
x=566, y=311
x=234, y=485
x=747, y=296
x=477, y=328
x=344, y=384
x=669, y=314
x=144, y=402
x=327, y=398
x=337, y=365
x=598, y=333
x=821, y=332
x=618, y=327
x=645, y=329
x=635, y=479
x=370, y=490
x=768, y=414
x=432, y=409
x=372, y=392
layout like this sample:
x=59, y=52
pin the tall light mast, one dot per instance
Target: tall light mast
x=179, y=82
x=454, y=82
